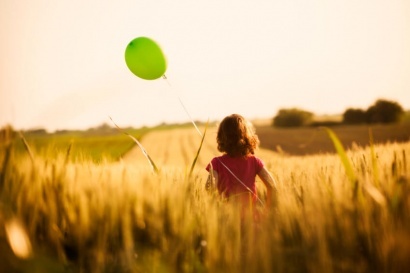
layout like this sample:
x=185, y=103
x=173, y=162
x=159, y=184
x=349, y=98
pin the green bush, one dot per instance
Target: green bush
x=354, y=116
x=384, y=111
x=292, y=118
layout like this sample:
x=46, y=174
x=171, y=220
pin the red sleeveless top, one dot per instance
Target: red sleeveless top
x=236, y=174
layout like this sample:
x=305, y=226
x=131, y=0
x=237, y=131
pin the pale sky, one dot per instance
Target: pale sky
x=62, y=62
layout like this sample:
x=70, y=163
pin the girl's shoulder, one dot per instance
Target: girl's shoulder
x=217, y=160
x=256, y=160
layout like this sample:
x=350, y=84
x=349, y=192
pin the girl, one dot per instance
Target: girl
x=235, y=171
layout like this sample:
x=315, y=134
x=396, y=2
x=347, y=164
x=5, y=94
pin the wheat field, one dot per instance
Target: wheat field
x=176, y=148
x=62, y=216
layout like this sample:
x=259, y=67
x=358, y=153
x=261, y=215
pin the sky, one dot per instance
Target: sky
x=62, y=62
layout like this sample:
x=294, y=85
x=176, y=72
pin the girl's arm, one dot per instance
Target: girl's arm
x=270, y=185
x=212, y=180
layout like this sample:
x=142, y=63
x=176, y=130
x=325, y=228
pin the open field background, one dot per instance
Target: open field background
x=176, y=148
x=111, y=145
x=64, y=214
x=308, y=140
x=95, y=145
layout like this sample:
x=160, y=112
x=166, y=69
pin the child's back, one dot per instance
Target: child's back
x=236, y=175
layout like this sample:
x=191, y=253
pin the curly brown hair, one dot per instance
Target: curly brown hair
x=236, y=136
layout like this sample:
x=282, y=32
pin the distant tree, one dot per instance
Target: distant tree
x=384, y=111
x=102, y=128
x=36, y=131
x=292, y=118
x=354, y=116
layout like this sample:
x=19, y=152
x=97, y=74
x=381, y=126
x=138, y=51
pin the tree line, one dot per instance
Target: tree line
x=382, y=111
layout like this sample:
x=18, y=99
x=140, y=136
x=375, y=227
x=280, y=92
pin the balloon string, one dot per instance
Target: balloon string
x=183, y=106
x=240, y=181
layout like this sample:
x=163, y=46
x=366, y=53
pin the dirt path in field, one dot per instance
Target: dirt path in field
x=178, y=148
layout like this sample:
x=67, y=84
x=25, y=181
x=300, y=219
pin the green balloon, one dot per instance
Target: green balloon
x=145, y=59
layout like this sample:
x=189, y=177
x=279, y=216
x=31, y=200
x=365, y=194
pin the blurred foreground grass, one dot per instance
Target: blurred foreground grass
x=83, y=216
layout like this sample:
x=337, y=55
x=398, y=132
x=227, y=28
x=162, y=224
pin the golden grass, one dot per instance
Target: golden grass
x=122, y=217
